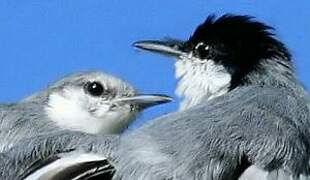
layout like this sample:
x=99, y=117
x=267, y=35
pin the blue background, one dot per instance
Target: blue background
x=43, y=40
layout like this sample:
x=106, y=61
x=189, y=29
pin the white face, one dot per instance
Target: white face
x=200, y=80
x=72, y=107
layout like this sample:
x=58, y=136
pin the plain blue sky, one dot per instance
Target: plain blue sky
x=43, y=40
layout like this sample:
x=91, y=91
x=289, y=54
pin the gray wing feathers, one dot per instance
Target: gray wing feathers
x=30, y=154
x=268, y=126
x=17, y=123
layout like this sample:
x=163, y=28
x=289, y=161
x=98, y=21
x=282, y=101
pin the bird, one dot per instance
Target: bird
x=243, y=107
x=92, y=103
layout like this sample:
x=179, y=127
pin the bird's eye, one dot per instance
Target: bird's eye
x=94, y=88
x=202, y=50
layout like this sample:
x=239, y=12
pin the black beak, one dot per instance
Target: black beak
x=146, y=100
x=169, y=47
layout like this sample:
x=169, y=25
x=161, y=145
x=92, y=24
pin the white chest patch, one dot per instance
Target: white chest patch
x=256, y=173
x=200, y=81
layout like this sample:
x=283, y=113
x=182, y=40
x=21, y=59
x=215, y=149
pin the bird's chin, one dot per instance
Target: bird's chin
x=115, y=121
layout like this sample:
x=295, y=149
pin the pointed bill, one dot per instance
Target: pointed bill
x=168, y=48
x=146, y=100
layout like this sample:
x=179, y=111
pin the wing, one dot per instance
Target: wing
x=268, y=127
x=60, y=155
x=21, y=120
x=289, y=132
x=73, y=165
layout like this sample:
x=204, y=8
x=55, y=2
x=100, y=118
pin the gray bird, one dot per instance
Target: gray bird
x=243, y=107
x=90, y=102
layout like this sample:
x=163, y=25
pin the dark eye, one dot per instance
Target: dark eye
x=202, y=50
x=94, y=88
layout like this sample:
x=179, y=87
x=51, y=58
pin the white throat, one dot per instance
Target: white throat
x=200, y=81
x=69, y=110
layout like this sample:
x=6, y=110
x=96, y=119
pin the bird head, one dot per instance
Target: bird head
x=95, y=102
x=222, y=54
